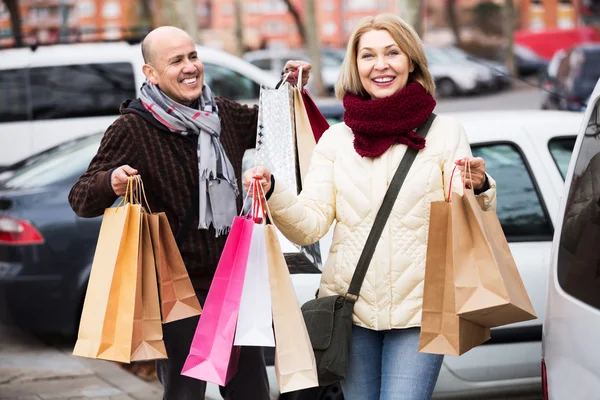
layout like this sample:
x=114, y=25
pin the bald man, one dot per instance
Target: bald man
x=187, y=145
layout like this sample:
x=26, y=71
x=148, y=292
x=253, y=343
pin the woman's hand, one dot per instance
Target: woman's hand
x=476, y=178
x=262, y=174
x=292, y=66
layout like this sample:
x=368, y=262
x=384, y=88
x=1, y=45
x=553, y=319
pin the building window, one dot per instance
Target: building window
x=111, y=10
x=86, y=9
x=227, y=9
x=330, y=28
x=362, y=5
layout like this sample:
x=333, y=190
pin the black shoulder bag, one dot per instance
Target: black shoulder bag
x=329, y=319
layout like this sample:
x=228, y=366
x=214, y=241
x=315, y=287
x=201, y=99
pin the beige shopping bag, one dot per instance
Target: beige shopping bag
x=106, y=326
x=489, y=288
x=442, y=330
x=305, y=140
x=177, y=296
x=147, y=343
x=295, y=364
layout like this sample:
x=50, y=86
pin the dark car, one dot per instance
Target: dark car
x=576, y=77
x=46, y=250
x=528, y=62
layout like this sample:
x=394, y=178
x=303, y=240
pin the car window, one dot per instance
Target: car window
x=520, y=207
x=230, y=84
x=13, y=95
x=578, y=251
x=66, y=162
x=589, y=69
x=82, y=90
x=265, y=63
x=561, y=150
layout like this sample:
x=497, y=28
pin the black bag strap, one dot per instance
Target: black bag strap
x=184, y=227
x=383, y=214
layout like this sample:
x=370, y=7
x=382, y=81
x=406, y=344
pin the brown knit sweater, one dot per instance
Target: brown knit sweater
x=140, y=141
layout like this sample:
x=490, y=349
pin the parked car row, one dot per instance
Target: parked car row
x=455, y=71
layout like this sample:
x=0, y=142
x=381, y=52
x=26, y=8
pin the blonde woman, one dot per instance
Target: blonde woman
x=387, y=93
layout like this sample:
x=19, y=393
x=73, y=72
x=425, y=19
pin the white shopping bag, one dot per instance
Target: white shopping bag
x=255, y=319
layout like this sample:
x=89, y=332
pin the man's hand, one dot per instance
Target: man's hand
x=476, y=178
x=262, y=174
x=292, y=66
x=118, y=179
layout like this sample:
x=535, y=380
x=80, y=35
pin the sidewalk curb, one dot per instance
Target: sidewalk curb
x=116, y=376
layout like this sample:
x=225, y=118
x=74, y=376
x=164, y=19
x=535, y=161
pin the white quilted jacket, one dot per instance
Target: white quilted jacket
x=344, y=187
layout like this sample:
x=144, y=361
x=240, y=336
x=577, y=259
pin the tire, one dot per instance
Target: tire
x=446, y=88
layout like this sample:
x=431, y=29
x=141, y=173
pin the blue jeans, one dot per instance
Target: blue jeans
x=386, y=365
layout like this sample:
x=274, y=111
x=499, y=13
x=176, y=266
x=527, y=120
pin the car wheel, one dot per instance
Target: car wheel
x=446, y=88
x=332, y=392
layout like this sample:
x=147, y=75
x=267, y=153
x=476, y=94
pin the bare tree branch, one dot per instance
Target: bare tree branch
x=15, y=21
x=294, y=12
x=453, y=20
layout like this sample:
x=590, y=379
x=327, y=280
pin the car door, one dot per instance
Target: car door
x=572, y=321
x=513, y=351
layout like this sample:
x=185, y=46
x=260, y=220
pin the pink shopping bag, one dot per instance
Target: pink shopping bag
x=213, y=358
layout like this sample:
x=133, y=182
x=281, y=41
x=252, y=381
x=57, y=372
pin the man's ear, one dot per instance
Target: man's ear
x=150, y=74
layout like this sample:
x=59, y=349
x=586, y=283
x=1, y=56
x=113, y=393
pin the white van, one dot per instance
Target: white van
x=571, y=353
x=55, y=93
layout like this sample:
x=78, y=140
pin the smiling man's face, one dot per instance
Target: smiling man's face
x=174, y=65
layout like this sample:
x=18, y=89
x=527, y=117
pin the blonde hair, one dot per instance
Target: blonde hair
x=406, y=38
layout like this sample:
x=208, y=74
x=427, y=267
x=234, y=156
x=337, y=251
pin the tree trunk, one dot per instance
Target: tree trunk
x=411, y=11
x=509, y=26
x=298, y=20
x=15, y=21
x=186, y=11
x=314, y=50
x=239, y=33
x=453, y=20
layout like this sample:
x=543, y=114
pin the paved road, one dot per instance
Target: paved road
x=522, y=97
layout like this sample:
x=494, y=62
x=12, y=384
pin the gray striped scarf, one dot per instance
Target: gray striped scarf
x=218, y=185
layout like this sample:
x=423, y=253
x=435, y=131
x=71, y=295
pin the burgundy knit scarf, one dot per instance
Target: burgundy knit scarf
x=378, y=124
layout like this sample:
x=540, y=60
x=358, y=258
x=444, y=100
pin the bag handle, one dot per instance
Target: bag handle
x=464, y=184
x=383, y=214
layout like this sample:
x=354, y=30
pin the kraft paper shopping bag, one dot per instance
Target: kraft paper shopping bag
x=442, y=330
x=177, y=296
x=489, y=288
x=213, y=357
x=106, y=326
x=147, y=325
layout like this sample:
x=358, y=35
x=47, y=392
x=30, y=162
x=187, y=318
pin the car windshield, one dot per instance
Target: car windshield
x=61, y=163
x=590, y=68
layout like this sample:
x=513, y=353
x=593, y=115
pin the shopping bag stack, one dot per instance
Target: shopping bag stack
x=252, y=302
x=138, y=280
x=472, y=283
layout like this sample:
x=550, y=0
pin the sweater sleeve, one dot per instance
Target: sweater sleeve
x=244, y=119
x=306, y=218
x=93, y=191
x=458, y=147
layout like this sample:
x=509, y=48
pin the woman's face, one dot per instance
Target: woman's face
x=382, y=66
